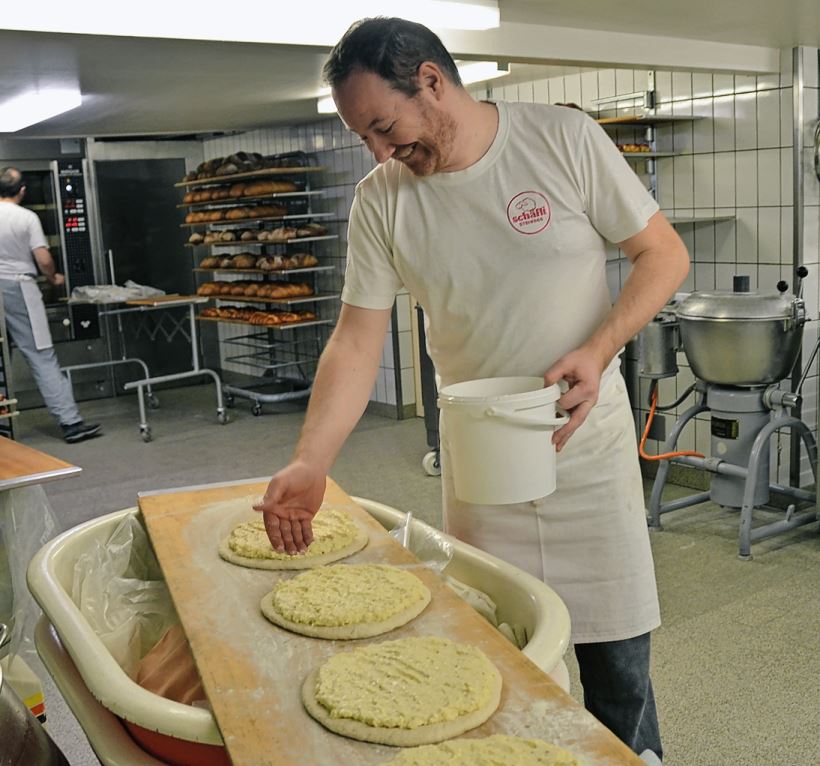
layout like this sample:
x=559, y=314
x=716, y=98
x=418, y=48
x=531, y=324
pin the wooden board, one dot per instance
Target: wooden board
x=252, y=670
x=165, y=300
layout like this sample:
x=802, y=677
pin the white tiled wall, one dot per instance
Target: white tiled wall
x=735, y=160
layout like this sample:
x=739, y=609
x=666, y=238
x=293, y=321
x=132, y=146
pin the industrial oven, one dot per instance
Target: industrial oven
x=60, y=192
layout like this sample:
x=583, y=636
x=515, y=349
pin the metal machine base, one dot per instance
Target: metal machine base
x=750, y=476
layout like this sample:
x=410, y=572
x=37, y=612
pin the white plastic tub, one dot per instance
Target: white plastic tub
x=80, y=663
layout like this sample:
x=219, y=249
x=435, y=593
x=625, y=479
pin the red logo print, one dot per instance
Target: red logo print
x=529, y=212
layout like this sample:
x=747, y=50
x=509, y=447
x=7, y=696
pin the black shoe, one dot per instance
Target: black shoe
x=77, y=432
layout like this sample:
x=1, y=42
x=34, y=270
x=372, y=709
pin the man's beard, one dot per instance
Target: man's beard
x=434, y=148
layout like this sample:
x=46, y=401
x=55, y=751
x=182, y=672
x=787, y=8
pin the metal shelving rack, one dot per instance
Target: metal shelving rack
x=642, y=114
x=8, y=404
x=284, y=356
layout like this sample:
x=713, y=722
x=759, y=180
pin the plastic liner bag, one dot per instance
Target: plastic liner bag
x=27, y=523
x=119, y=588
x=114, y=293
x=436, y=552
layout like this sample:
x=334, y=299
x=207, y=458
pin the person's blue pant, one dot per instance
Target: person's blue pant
x=51, y=382
x=618, y=692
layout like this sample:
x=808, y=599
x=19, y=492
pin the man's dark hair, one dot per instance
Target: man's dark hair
x=391, y=48
x=10, y=182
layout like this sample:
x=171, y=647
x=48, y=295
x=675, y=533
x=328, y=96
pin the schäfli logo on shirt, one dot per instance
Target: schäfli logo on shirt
x=529, y=212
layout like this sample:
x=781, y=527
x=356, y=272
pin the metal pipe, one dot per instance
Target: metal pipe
x=797, y=236
x=777, y=527
x=685, y=502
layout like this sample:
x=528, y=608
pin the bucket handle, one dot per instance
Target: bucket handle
x=544, y=424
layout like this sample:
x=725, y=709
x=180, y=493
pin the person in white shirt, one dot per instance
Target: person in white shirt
x=24, y=250
x=496, y=218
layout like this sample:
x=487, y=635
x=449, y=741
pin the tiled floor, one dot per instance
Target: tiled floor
x=734, y=665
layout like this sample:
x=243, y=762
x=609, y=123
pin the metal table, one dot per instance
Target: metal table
x=185, y=326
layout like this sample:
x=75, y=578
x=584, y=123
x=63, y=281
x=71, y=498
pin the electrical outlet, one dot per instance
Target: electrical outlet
x=658, y=429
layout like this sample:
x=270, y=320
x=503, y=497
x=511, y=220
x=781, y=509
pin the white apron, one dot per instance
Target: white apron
x=35, y=307
x=589, y=540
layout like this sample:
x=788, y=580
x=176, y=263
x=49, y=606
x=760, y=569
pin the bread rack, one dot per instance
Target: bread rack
x=283, y=357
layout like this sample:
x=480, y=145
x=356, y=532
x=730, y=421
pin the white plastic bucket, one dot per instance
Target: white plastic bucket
x=500, y=438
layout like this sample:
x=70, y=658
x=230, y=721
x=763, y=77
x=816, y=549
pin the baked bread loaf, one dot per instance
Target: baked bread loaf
x=227, y=236
x=196, y=238
x=209, y=262
x=243, y=261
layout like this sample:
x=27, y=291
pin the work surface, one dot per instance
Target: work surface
x=252, y=670
x=21, y=465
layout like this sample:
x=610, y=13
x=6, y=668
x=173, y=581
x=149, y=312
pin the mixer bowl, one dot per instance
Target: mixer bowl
x=748, y=352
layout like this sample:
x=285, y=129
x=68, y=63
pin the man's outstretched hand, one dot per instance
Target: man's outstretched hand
x=291, y=500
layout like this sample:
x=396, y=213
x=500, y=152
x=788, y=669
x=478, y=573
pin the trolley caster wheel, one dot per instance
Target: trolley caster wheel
x=431, y=463
x=229, y=401
x=145, y=433
x=222, y=417
x=257, y=410
x=153, y=402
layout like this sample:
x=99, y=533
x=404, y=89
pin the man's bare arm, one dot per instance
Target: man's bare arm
x=341, y=389
x=45, y=262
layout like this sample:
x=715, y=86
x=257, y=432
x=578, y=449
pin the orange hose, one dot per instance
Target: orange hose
x=665, y=455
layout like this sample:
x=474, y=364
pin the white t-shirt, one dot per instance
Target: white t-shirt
x=20, y=233
x=507, y=257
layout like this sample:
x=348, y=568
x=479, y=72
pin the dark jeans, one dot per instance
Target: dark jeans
x=618, y=692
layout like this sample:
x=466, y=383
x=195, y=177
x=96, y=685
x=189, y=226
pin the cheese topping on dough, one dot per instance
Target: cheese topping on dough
x=347, y=594
x=332, y=530
x=407, y=683
x=489, y=751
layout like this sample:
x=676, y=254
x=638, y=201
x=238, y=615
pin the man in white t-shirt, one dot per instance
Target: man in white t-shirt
x=24, y=250
x=496, y=218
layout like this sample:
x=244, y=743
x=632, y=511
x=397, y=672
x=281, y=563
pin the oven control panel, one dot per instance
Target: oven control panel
x=77, y=255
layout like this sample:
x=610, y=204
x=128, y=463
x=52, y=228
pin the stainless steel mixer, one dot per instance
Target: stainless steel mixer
x=740, y=344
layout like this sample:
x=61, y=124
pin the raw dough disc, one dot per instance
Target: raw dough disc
x=335, y=536
x=412, y=691
x=346, y=601
x=487, y=751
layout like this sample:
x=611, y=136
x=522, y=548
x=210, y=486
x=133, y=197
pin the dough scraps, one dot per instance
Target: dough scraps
x=346, y=601
x=335, y=536
x=411, y=691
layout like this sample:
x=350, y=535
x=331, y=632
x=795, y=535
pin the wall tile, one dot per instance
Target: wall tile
x=703, y=131
x=683, y=140
x=768, y=81
x=768, y=176
x=724, y=84
x=704, y=174
x=624, y=81
x=541, y=92
x=702, y=84
x=556, y=90
x=704, y=276
x=589, y=89
x=572, y=88
x=666, y=180
x=746, y=232
x=786, y=67
x=745, y=121
x=725, y=179
x=684, y=181
x=810, y=75
x=606, y=83
x=746, y=178
x=663, y=85
x=390, y=386
x=811, y=184
x=681, y=85
x=768, y=119
x=704, y=242
x=723, y=275
x=768, y=230
x=724, y=122
x=408, y=386
x=745, y=83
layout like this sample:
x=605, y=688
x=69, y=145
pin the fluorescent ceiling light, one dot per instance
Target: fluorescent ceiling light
x=470, y=72
x=298, y=24
x=479, y=71
x=36, y=106
x=325, y=105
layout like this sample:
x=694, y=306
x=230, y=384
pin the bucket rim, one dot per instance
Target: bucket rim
x=544, y=394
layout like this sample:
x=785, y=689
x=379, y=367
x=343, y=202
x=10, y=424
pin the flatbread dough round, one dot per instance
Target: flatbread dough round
x=412, y=691
x=487, y=751
x=335, y=536
x=346, y=601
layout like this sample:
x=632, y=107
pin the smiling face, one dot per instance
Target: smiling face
x=413, y=130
